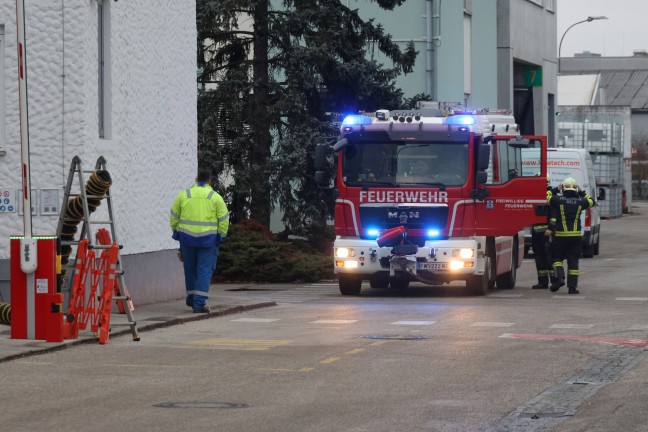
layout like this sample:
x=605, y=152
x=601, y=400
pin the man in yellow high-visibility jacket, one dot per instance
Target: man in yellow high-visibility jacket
x=199, y=220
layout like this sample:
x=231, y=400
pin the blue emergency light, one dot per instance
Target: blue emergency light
x=433, y=233
x=356, y=119
x=373, y=232
x=461, y=120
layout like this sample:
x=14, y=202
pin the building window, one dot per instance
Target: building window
x=103, y=71
x=538, y=2
x=2, y=88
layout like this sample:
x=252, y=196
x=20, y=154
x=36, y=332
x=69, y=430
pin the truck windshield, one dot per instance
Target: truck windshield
x=405, y=164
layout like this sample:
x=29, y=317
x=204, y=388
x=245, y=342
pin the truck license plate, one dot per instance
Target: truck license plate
x=432, y=266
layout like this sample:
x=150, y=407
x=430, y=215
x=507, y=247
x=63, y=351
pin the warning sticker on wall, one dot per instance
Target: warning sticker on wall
x=7, y=201
x=41, y=286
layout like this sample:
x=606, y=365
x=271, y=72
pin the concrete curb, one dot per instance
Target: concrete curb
x=228, y=310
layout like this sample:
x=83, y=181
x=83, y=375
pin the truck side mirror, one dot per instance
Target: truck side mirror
x=322, y=179
x=322, y=152
x=482, y=177
x=601, y=195
x=483, y=158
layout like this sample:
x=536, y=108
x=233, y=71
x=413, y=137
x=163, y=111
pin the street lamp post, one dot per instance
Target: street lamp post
x=589, y=19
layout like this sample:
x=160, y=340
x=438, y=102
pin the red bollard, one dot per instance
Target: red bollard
x=36, y=310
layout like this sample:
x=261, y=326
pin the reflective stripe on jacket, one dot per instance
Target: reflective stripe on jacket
x=200, y=216
x=566, y=211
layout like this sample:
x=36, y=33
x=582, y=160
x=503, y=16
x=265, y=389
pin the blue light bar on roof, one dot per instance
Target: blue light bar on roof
x=356, y=119
x=461, y=119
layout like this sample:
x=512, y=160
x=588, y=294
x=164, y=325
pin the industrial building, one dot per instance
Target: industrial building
x=111, y=79
x=482, y=54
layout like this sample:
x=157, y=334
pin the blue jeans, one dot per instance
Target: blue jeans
x=199, y=264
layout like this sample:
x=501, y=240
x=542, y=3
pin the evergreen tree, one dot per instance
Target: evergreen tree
x=272, y=78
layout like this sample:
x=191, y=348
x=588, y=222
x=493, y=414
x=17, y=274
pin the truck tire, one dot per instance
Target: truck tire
x=596, y=246
x=588, y=251
x=526, y=251
x=349, y=284
x=379, y=281
x=399, y=284
x=507, y=280
x=478, y=285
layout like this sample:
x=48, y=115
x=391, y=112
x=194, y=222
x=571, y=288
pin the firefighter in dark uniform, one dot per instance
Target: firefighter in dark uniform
x=540, y=247
x=565, y=226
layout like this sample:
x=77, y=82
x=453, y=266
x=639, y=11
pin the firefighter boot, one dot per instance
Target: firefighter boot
x=542, y=284
x=572, y=281
x=552, y=277
x=560, y=277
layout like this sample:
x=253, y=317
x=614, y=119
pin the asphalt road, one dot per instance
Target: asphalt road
x=424, y=359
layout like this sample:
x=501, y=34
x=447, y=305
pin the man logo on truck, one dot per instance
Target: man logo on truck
x=403, y=217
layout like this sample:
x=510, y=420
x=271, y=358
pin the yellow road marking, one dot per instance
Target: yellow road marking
x=355, y=351
x=219, y=341
x=329, y=360
x=287, y=370
x=378, y=343
x=144, y=365
x=231, y=348
x=242, y=344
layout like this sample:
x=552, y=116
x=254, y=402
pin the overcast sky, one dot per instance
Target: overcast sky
x=625, y=30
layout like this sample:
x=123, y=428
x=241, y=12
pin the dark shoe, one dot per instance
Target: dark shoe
x=539, y=286
x=573, y=291
x=189, y=301
x=556, y=286
x=205, y=309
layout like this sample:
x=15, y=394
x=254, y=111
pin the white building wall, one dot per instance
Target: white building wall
x=151, y=143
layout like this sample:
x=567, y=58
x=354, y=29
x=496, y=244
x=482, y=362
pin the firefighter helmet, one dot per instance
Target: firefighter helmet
x=570, y=184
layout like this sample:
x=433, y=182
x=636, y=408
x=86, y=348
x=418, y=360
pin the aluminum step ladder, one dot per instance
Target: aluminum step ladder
x=68, y=238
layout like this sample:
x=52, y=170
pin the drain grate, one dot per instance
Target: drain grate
x=200, y=405
x=394, y=337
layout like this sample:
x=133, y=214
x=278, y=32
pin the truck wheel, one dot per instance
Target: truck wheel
x=596, y=246
x=526, y=251
x=349, y=285
x=507, y=280
x=588, y=251
x=477, y=285
x=399, y=284
x=379, y=281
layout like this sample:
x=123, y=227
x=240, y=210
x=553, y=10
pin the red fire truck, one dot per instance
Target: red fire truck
x=434, y=198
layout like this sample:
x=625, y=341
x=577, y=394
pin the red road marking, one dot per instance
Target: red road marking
x=613, y=341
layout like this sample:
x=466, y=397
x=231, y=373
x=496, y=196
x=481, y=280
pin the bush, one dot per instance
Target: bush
x=252, y=253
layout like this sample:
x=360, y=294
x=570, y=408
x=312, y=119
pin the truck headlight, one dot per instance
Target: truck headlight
x=455, y=265
x=463, y=253
x=343, y=252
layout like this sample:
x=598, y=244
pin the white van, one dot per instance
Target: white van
x=577, y=163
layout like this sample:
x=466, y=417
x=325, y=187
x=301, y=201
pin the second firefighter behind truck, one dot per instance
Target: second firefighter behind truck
x=540, y=245
x=565, y=225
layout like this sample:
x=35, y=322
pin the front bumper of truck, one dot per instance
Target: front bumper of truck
x=436, y=261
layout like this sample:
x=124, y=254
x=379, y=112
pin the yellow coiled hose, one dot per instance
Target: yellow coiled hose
x=5, y=313
x=97, y=186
